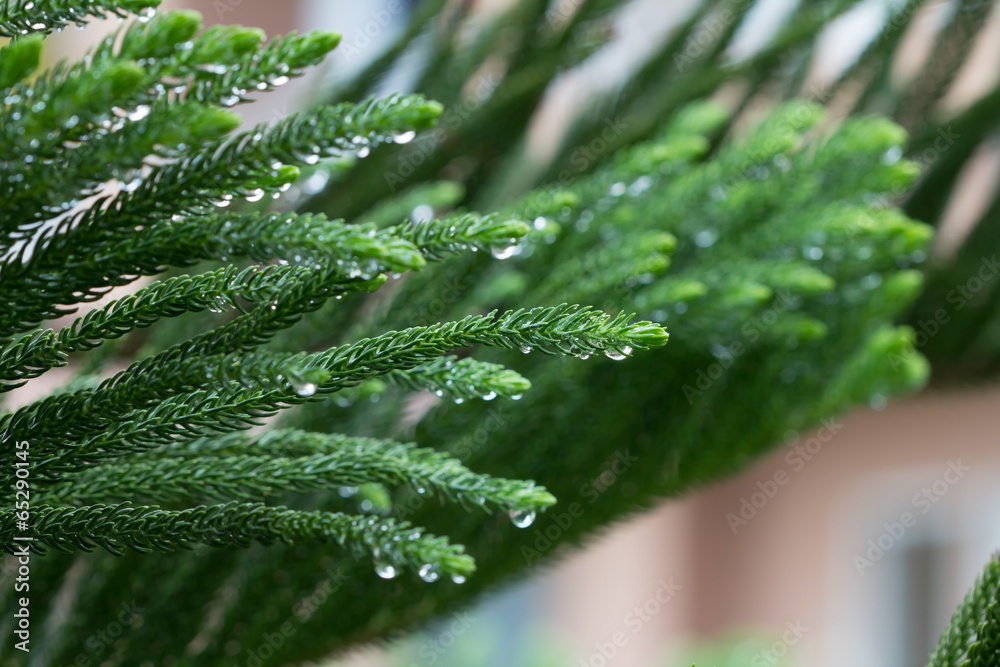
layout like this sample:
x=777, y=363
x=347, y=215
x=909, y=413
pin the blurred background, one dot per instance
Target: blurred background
x=849, y=545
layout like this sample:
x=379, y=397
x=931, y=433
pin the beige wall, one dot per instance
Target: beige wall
x=794, y=560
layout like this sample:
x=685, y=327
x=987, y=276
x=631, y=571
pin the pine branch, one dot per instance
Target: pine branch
x=305, y=238
x=356, y=250
x=146, y=529
x=18, y=17
x=33, y=354
x=621, y=263
x=462, y=231
x=253, y=468
x=986, y=650
x=462, y=379
x=19, y=58
x=243, y=164
x=216, y=67
x=972, y=635
x=562, y=329
x=148, y=382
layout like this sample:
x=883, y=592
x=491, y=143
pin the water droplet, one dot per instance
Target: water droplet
x=505, y=253
x=422, y=213
x=316, y=182
x=490, y=396
x=304, y=388
x=311, y=159
x=256, y=195
x=459, y=400
x=814, y=253
x=385, y=570
x=516, y=397
x=526, y=349
x=139, y=112
x=616, y=355
x=429, y=573
x=522, y=518
x=540, y=223
x=706, y=238
x=278, y=80
x=892, y=155
x=404, y=137
x=458, y=579
x=218, y=304
x=364, y=152
x=640, y=185
x=617, y=189
x=871, y=281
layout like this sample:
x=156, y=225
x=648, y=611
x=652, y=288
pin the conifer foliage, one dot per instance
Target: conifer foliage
x=973, y=636
x=392, y=341
x=120, y=167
